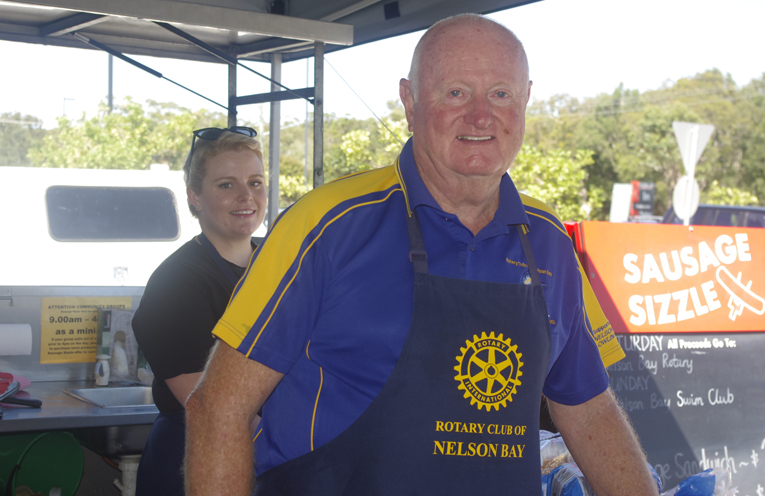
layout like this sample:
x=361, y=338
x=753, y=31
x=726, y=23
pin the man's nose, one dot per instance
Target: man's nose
x=479, y=113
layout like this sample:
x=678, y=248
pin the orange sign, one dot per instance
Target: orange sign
x=667, y=278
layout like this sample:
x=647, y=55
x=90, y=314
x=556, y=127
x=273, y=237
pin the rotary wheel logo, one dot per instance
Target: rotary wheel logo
x=489, y=370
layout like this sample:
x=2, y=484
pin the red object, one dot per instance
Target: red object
x=21, y=398
x=662, y=278
x=574, y=230
x=6, y=379
x=635, y=198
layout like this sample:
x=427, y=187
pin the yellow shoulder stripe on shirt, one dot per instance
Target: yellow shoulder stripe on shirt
x=538, y=205
x=285, y=246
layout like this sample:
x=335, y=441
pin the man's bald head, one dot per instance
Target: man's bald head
x=441, y=28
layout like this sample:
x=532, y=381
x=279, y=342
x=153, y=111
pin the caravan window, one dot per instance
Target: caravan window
x=85, y=213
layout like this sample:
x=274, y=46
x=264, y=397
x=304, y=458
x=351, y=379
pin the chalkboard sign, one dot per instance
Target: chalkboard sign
x=697, y=401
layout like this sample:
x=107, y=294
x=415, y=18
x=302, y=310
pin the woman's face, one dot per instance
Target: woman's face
x=232, y=203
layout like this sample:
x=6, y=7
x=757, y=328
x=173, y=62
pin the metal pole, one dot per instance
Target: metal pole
x=318, y=115
x=305, y=155
x=273, y=143
x=111, y=83
x=693, y=137
x=231, y=95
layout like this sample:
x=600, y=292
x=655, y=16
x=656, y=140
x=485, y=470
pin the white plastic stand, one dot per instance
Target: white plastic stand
x=129, y=468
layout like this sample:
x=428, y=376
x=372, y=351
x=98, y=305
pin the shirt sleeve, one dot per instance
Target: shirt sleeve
x=599, y=326
x=576, y=372
x=271, y=317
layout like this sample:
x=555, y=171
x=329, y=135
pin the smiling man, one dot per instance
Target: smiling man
x=399, y=326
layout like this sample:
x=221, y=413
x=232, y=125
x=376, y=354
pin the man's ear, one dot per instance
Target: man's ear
x=406, y=93
x=193, y=198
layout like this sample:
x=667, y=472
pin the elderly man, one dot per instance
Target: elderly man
x=403, y=323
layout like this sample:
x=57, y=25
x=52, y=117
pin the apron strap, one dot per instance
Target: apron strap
x=417, y=253
x=222, y=265
x=419, y=257
x=529, y=255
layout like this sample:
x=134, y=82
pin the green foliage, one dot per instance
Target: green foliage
x=291, y=188
x=130, y=137
x=357, y=150
x=18, y=133
x=392, y=135
x=631, y=136
x=350, y=146
x=557, y=178
x=627, y=137
x=721, y=195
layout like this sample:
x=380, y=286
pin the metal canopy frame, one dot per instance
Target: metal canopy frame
x=181, y=20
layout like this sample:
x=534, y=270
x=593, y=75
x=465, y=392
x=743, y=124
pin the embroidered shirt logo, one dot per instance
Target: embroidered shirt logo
x=489, y=370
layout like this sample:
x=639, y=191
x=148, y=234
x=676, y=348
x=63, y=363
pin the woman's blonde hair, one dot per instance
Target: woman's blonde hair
x=195, y=168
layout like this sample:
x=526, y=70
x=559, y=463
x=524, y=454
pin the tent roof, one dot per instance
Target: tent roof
x=245, y=29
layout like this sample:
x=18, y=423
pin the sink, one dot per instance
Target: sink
x=119, y=440
x=114, y=397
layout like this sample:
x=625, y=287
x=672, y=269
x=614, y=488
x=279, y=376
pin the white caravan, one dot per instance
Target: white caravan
x=86, y=227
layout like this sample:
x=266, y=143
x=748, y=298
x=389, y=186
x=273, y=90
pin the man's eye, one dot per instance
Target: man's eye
x=502, y=94
x=455, y=93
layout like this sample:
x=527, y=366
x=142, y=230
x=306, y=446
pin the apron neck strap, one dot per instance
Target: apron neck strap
x=416, y=245
x=419, y=257
x=219, y=261
x=529, y=254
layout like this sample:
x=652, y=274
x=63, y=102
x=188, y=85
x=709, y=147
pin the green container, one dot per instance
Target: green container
x=40, y=461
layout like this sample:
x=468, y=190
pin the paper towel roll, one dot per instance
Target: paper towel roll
x=15, y=339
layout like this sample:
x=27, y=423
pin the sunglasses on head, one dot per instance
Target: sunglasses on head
x=213, y=133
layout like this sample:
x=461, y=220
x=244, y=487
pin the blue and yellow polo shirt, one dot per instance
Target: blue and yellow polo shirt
x=328, y=299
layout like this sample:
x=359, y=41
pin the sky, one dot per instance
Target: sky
x=577, y=47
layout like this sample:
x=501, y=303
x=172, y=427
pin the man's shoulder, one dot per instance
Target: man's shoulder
x=542, y=216
x=353, y=186
x=326, y=215
x=339, y=196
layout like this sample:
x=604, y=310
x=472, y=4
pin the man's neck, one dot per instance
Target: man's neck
x=474, y=200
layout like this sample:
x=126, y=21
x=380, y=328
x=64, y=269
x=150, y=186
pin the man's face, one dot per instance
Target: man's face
x=468, y=117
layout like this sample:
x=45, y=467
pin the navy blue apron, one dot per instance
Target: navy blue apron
x=160, y=472
x=459, y=414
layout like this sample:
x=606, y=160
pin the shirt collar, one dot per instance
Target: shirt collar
x=511, y=210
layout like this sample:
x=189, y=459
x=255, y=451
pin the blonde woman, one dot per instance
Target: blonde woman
x=189, y=291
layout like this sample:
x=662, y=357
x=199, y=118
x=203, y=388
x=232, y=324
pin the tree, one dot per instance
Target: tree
x=720, y=195
x=630, y=135
x=18, y=133
x=127, y=138
x=751, y=115
x=392, y=133
x=557, y=178
x=650, y=152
